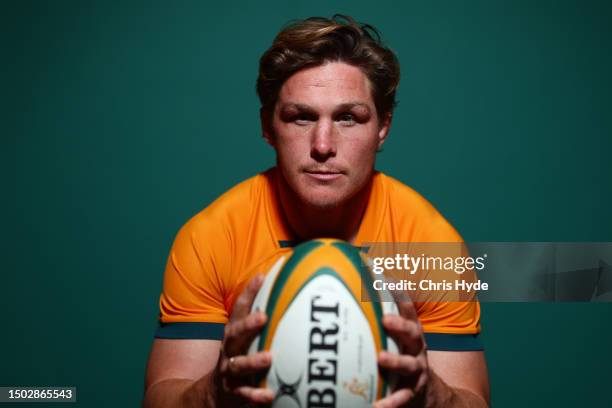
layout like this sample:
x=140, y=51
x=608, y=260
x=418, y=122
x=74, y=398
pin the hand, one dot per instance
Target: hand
x=410, y=366
x=235, y=369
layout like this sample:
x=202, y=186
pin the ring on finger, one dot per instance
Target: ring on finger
x=232, y=363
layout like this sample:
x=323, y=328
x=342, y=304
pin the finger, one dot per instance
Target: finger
x=401, y=364
x=422, y=381
x=405, y=304
x=396, y=399
x=239, y=334
x=242, y=306
x=255, y=395
x=408, y=311
x=242, y=366
x=407, y=333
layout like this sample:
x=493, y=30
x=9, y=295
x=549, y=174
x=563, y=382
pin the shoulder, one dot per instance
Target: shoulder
x=230, y=210
x=213, y=233
x=415, y=213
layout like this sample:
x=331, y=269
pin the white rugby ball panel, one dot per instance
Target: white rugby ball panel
x=323, y=339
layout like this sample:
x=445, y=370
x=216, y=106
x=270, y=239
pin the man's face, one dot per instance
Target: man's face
x=326, y=132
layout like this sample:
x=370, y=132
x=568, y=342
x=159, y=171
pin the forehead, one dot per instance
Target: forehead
x=332, y=83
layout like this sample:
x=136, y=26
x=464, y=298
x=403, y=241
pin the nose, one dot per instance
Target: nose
x=323, y=141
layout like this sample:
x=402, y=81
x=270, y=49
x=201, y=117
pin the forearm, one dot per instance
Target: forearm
x=183, y=393
x=439, y=394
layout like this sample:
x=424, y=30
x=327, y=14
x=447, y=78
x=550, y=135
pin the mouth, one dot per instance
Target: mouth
x=323, y=175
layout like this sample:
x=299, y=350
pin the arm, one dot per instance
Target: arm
x=180, y=373
x=210, y=373
x=458, y=379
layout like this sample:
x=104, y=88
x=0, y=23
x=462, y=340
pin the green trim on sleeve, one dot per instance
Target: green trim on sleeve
x=189, y=330
x=453, y=342
x=287, y=244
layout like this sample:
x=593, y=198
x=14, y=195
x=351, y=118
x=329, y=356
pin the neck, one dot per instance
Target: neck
x=308, y=222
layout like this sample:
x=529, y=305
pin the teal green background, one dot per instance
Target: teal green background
x=121, y=120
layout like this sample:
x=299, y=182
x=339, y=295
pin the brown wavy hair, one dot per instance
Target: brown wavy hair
x=317, y=40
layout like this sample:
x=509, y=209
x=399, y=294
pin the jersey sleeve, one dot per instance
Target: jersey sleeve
x=450, y=325
x=447, y=325
x=193, y=300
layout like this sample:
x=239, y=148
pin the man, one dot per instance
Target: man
x=327, y=89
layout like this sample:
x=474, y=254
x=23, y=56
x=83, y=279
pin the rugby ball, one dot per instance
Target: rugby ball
x=324, y=340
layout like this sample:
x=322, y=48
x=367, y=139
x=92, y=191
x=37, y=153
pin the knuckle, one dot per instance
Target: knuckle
x=234, y=329
x=251, y=322
x=240, y=304
x=407, y=326
x=391, y=320
x=251, y=290
x=409, y=365
x=238, y=328
x=406, y=307
x=413, y=329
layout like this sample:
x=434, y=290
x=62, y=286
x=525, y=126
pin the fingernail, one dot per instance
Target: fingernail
x=389, y=321
x=261, y=317
x=260, y=395
x=268, y=395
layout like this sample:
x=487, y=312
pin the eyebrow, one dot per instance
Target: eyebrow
x=298, y=106
x=306, y=108
x=350, y=105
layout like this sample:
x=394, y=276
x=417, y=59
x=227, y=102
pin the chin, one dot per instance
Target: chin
x=323, y=203
x=323, y=200
x=321, y=197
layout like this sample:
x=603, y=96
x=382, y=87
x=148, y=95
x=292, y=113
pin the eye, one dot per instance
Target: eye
x=346, y=118
x=302, y=119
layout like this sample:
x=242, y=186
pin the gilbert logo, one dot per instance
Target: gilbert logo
x=357, y=388
x=286, y=389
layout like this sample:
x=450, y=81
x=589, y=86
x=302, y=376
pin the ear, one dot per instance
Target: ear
x=265, y=117
x=383, y=130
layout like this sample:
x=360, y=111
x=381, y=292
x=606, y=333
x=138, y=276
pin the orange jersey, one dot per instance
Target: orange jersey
x=219, y=250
